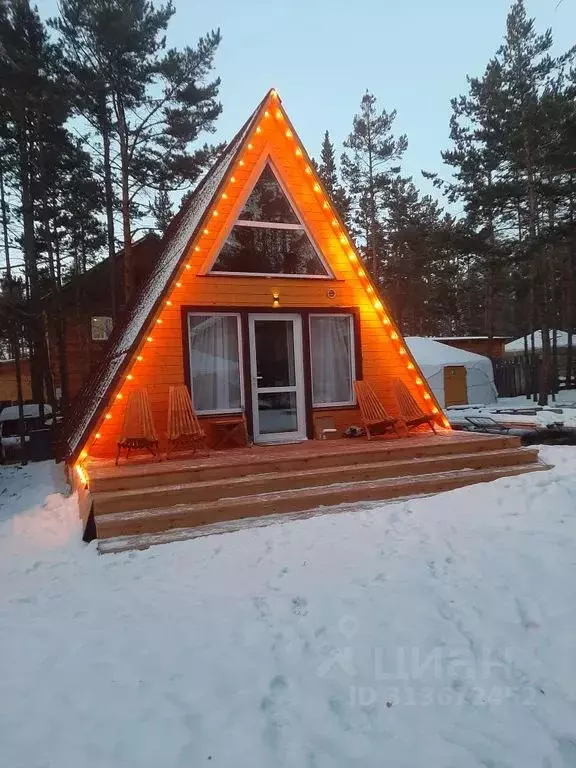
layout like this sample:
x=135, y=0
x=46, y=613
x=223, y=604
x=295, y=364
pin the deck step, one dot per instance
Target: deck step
x=164, y=519
x=220, y=466
x=110, y=502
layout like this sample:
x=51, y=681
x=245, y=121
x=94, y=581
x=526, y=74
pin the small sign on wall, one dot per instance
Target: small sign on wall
x=101, y=328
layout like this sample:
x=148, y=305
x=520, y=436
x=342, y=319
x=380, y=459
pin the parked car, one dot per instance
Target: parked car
x=10, y=426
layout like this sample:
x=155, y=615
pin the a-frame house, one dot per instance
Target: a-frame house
x=258, y=284
x=261, y=306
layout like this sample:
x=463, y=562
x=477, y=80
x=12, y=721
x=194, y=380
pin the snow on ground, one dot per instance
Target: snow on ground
x=435, y=632
x=561, y=411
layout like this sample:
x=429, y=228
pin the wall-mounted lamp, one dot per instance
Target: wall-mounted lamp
x=275, y=299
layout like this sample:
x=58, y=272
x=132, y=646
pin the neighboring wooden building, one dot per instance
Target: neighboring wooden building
x=258, y=302
x=489, y=346
x=87, y=311
x=8, y=388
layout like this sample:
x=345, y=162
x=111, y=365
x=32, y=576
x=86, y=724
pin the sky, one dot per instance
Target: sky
x=322, y=55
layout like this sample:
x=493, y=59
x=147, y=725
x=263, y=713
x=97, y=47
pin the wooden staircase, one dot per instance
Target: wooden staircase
x=136, y=505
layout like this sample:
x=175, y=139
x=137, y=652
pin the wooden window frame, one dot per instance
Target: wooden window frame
x=348, y=403
x=188, y=358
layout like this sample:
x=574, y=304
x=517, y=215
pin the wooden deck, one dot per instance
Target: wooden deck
x=145, y=501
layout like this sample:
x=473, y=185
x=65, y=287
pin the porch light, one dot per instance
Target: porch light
x=275, y=299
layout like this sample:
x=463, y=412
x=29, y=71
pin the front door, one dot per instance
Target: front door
x=276, y=369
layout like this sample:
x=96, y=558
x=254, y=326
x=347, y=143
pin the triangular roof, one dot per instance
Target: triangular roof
x=184, y=235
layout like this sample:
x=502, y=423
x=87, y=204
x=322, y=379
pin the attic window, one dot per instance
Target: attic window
x=268, y=238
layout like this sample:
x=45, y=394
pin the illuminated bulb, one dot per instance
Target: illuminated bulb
x=129, y=377
x=402, y=351
x=298, y=152
x=352, y=257
x=250, y=146
x=159, y=321
x=139, y=358
x=434, y=410
x=334, y=223
x=84, y=454
x=232, y=179
x=178, y=285
x=274, y=93
x=386, y=321
x=426, y=396
x=410, y=366
x=258, y=129
x=377, y=304
x=149, y=338
x=97, y=435
x=361, y=273
x=119, y=395
x=419, y=381
x=278, y=115
x=394, y=335
x=241, y=163
x=168, y=303
x=446, y=423
x=308, y=170
x=197, y=249
x=266, y=114
x=343, y=239
x=187, y=267
x=206, y=231
x=224, y=196
x=288, y=133
x=108, y=416
x=316, y=187
x=325, y=205
x=369, y=289
x=214, y=213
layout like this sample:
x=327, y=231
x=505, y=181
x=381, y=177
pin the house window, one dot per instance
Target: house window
x=101, y=328
x=332, y=354
x=268, y=238
x=215, y=362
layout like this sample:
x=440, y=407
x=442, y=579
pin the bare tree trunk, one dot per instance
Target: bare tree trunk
x=109, y=200
x=124, y=183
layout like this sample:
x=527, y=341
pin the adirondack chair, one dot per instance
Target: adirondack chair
x=412, y=414
x=184, y=429
x=138, y=431
x=374, y=416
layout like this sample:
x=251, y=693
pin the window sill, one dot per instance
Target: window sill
x=335, y=407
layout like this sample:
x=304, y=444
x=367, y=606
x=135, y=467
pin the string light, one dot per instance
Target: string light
x=84, y=455
x=240, y=163
x=325, y=205
x=97, y=436
x=334, y=223
x=168, y=303
x=178, y=285
x=187, y=267
x=316, y=187
x=266, y=114
x=206, y=231
x=108, y=416
x=419, y=381
x=224, y=196
x=434, y=410
x=149, y=339
x=159, y=321
x=308, y=170
x=129, y=377
x=139, y=358
x=377, y=304
x=197, y=248
x=258, y=129
x=369, y=289
x=410, y=366
x=278, y=114
x=402, y=351
x=214, y=213
x=288, y=133
x=298, y=152
x=394, y=335
x=81, y=474
x=352, y=256
x=426, y=396
x=343, y=239
x=232, y=179
x=119, y=396
x=250, y=146
x=274, y=93
x=361, y=273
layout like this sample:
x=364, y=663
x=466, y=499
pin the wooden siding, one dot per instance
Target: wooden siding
x=162, y=360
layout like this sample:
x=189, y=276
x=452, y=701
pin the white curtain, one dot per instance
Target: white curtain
x=331, y=344
x=215, y=362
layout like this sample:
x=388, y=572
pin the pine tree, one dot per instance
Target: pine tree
x=368, y=172
x=328, y=172
x=152, y=103
x=161, y=210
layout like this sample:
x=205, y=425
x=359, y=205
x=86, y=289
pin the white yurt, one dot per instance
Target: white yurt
x=456, y=377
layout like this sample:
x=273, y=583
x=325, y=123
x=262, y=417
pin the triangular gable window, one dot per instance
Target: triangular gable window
x=268, y=238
